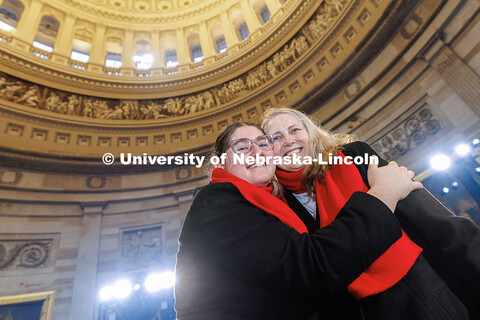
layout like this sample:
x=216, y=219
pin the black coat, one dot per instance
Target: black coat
x=452, y=265
x=237, y=262
x=451, y=244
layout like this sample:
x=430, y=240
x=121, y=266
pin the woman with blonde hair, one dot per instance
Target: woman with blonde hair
x=431, y=272
x=244, y=254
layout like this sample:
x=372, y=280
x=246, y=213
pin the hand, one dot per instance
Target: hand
x=391, y=183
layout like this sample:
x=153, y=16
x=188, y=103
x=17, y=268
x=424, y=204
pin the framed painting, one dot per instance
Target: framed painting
x=30, y=306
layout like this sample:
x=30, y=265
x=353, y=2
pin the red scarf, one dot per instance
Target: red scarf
x=341, y=181
x=262, y=198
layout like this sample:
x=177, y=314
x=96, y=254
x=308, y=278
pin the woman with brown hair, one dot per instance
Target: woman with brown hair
x=431, y=272
x=244, y=254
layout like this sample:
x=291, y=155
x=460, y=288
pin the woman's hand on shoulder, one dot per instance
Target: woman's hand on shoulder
x=391, y=183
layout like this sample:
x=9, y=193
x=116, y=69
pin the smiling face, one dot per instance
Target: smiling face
x=290, y=137
x=257, y=174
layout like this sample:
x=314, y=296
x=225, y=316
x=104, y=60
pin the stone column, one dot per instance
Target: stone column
x=182, y=54
x=97, y=55
x=128, y=50
x=250, y=16
x=84, y=293
x=206, y=40
x=228, y=32
x=27, y=26
x=463, y=79
x=156, y=52
x=63, y=44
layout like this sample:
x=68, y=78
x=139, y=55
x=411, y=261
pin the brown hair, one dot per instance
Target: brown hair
x=222, y=143
x=321, y=142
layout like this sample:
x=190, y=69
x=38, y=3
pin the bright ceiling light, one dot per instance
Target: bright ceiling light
x=440, y=162
x=475, y=142
x=107, y=293
x=123, y=288
x=462, y=150
x=158, y=281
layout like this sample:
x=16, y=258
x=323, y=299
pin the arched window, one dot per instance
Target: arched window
x=114, y=49
x=10, y=12
x=82, y=44
x=81, y=56
x=113, y=60
x=46, y=33
x=221, y=44
x=265, y=13
x=143, y=58
x=243, y=30
x=197, y=54
x=171, y=59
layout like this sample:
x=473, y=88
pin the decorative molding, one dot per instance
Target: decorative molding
x=24, y=254
x=160, y=82
x=142, y=247
x=408, y=134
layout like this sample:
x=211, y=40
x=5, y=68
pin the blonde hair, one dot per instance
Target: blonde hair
x=222, y=143
x=321, y=142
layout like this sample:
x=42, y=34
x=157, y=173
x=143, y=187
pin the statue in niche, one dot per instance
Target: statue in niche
x=30, y=97
x=72, y=104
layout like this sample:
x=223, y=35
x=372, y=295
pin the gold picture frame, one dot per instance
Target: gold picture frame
x=17, y=303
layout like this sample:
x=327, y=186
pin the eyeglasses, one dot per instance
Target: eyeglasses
x=244, y=145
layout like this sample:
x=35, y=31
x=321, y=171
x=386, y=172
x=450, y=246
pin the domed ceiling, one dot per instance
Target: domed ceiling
x=64, y=111
x=146, y=11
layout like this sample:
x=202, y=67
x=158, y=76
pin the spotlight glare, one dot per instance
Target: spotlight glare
x=158, y=281
x=107, y=293
x=462, y=150
x=440, y=162
x=445, y=190
x=454, y=184
x=136, y=287
x=477, y=169
x=475, y=142
x=123, y=288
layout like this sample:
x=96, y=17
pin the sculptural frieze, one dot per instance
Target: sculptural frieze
x=45, y=98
